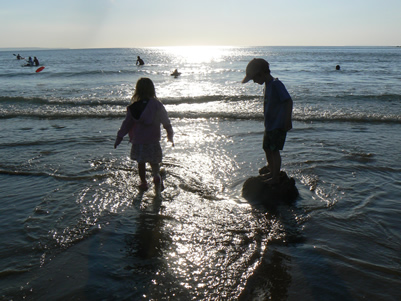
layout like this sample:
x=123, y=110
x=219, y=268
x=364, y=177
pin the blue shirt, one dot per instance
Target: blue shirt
x=275, y=97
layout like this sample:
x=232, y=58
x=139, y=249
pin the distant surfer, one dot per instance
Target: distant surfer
x=338, y=67
x=36, y=61
x=277, y=113
x=140, y=61
x=175, y=73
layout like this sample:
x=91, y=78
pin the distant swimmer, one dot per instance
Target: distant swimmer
x=36, y=61
x=338, y=67
x=140, y=61
x=175, y=73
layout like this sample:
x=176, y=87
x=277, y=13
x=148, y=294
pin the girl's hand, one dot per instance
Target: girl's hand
x=170, y=138
x=118, y=141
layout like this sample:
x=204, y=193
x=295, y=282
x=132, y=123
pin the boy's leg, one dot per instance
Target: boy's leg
x=274, y=161
x=273, y=142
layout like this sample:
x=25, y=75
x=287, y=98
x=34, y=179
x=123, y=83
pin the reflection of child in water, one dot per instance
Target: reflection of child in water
x=142, y=123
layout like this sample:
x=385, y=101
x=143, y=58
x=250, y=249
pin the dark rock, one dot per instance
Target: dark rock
x=257, y=191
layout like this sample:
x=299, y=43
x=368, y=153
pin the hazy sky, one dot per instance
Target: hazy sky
x=132, y=23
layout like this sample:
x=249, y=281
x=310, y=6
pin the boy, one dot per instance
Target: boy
x=277, y=113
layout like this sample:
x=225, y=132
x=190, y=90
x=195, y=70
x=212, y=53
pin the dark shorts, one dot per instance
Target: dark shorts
x=274, y=140
x=143, y=153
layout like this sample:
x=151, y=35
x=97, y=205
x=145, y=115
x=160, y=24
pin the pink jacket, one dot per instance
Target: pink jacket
x=146, y=129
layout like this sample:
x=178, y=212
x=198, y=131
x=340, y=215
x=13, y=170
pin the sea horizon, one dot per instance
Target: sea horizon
x=161, y=46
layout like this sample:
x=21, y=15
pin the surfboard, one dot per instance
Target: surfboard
x=40, y=69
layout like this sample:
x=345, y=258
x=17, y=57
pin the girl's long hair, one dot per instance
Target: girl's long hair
x=144, y=89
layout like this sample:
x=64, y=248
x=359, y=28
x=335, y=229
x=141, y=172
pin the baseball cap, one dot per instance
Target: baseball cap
x=254, y=67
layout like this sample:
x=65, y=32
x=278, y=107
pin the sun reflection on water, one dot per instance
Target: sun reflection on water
x=197, y=54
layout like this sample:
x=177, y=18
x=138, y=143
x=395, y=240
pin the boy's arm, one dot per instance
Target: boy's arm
x=288, y=115
x=287, y=103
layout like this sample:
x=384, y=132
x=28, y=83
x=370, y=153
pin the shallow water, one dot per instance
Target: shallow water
x=74, y=225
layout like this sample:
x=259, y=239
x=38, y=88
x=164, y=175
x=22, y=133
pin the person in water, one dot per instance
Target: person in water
x=175, y=73
x=36, y=61
x=18, y=57
x=277, y=113
x=140, y=61
x=30, y=62
x=338, y=67
x=142, y=123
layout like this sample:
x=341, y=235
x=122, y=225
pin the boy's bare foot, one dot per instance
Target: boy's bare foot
x=272, y=181
x=266, y=176
x=264, y=170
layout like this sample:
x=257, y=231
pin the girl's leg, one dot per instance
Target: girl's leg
x=157, y=180
x=142, y=172
x=142, y=175
x=155, y=170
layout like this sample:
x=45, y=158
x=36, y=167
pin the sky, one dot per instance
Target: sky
x=152, y=23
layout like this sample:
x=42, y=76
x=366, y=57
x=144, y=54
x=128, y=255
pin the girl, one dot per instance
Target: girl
x=142, y=123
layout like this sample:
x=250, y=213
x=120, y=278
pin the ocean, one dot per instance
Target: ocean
x=74, y=226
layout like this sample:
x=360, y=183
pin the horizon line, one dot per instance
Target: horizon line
x=178, y=46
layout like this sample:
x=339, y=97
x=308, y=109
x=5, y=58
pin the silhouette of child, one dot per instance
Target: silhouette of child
x=142, y=123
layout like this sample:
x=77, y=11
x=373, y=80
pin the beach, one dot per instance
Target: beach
x=75, y=227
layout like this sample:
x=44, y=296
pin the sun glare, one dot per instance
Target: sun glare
x=197, y=54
